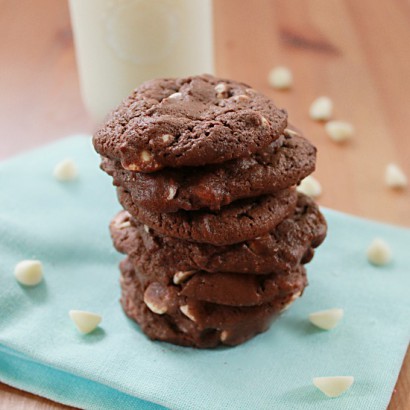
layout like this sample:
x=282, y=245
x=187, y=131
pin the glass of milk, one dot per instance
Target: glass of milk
x=121, y=43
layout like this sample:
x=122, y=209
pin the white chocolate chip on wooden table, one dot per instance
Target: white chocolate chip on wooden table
x=310, y=186
x=326, y=319
x=339, y=131
x=379, y=252
x=333, y=386
x=321, y=109
x=29, y=272
x=85, y=321
x=65, y=170
x=395, y=177
x=280, y=78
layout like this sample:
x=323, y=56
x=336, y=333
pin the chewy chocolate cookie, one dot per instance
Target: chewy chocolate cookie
x=282, y=164
x=289, y=244
x=236, y=222
x=164, y=314
x=191, y=121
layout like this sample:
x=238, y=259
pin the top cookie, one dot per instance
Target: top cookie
x=191, y=121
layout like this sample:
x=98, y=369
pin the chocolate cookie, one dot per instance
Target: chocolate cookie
x=228, y=289
x=236, y=222
x=191, y=121
x=282, y=164
x=165, y=315
x=289, y=244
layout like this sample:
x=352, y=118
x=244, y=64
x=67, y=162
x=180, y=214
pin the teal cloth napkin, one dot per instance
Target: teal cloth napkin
x=65, y=225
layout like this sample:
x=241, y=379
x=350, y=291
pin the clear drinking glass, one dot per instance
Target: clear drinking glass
x=121, y=43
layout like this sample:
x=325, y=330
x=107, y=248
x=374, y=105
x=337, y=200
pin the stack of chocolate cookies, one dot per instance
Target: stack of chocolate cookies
x=214, y=231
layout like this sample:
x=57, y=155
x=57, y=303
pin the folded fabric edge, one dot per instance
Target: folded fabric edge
x=23, y=373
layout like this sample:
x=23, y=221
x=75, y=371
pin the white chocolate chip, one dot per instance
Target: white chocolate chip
x=123, y=225
x=182, y=276
x=339, y=131
x=326, y=319
x=29, y=272
x=333, y=386
x=264, y=121
x=85, y=322
x=280, y=78
x=145, y=156
x=310, y=186
x=241, y=97
x=292, y=299
x=187, y=312
x=321, y=109
x=171, y=192
x=291, y=133
x=224, y=335
x=166, y=137
x=395, y=177
x=132, y=167
x=146, y=228
x=379, y=252
x=66, y=170
x=174, y=96
x=221, y=90
x=154, y=298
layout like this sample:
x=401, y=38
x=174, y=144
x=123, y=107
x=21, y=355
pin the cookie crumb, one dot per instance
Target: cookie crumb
x=280, y=78
x=333, y=386
x=339, y=131
x=65, y=170
x=29, y=272
x=326, y=319
x=310, y=186
x=379, y=252
x=395, y=177
x=321, y=109
x=85, y=322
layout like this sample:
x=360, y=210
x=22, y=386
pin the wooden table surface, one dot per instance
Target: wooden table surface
x=356, y=52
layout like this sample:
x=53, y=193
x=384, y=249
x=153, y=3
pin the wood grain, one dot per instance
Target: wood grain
x=356, y=52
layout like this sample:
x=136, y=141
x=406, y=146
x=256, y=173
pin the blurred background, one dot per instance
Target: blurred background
x=355, y=52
